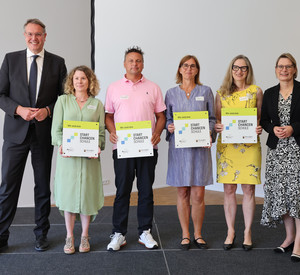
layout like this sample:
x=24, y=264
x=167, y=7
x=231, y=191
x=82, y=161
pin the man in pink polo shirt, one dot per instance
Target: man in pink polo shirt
x=134, y=98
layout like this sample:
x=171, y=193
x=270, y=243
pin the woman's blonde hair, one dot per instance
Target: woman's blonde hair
x=94, y=86
x=228, y=86
x=291, y=58
x=184, y=59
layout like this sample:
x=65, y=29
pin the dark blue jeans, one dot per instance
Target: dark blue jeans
x=125, y=171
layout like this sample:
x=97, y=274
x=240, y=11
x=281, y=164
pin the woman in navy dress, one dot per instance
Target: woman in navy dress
x=189, y=169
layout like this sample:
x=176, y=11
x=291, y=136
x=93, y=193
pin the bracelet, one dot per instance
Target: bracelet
x=48, y=110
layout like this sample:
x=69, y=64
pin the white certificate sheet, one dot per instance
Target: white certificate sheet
x=191, y=129
x=239, y=125
x=80, y=138
x=134, y=139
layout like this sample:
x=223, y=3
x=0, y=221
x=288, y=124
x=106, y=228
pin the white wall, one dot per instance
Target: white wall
x=68, y=27
x=215, y=31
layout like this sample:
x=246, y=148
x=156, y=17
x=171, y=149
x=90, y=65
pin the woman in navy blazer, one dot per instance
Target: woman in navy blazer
x=280, y=117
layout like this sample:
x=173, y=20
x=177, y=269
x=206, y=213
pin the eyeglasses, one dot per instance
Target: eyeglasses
x=186, y=66
x=236, y=68
x=37, y=34
x=288, y=67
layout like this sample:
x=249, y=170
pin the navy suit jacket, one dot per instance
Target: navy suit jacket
x=269, y=113
x=14, y=91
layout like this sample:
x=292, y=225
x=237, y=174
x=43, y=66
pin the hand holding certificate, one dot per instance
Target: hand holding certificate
x=191, y=129
x=239, y=125
x=80, y=139
x=134, y=139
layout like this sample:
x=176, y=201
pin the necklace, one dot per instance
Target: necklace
x=187, y=90
x=286, y=92
x=81, y=100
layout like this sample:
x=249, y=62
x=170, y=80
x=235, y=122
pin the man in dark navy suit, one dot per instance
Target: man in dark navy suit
x=30, y=82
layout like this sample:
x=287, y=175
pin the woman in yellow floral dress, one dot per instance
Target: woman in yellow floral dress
x=238, y=163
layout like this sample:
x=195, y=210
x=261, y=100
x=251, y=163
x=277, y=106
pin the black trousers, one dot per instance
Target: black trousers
x=125, y=171
x=14, y=157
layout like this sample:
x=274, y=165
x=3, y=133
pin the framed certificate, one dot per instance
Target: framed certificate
x=80, y=138
x=134, y=139
x=191, y=129
x=239, y=125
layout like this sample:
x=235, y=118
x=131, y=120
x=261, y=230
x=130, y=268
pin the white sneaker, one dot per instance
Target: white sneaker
x=147, y=240
x=117, y=240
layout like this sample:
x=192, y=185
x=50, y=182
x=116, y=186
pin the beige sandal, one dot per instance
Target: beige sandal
x=84, y=244
x=69, y=246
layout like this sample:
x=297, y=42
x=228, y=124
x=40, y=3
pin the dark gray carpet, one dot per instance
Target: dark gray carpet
x=21, y=258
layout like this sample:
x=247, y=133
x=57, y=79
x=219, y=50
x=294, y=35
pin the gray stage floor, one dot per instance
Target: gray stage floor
x=21, y=258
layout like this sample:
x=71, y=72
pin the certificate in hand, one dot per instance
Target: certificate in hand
x=134, y=139
x=80, y=138
x=191, y=129
x=239, y=125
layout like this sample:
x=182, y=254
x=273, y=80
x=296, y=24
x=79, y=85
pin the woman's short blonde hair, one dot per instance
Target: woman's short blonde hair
x=228, y=86
x=184, y=59
x=292, y=59
x=94, y=86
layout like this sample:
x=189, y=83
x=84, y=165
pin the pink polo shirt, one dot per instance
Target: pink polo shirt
x=130, y=101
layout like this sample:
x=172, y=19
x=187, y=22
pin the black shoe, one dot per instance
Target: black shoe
x=281, y=249
x=41, y=243
x=3, y=245
x=295, y=258
x=247, y=247
x=185, y=246
x=228, y=246
x=200, y=245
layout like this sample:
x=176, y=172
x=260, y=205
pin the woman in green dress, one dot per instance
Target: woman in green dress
x=78, y=187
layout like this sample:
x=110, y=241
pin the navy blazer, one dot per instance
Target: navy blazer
x=269, y=113
x=14, y=91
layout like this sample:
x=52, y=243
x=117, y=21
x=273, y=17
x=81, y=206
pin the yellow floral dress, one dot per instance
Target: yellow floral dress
x=239, y=162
